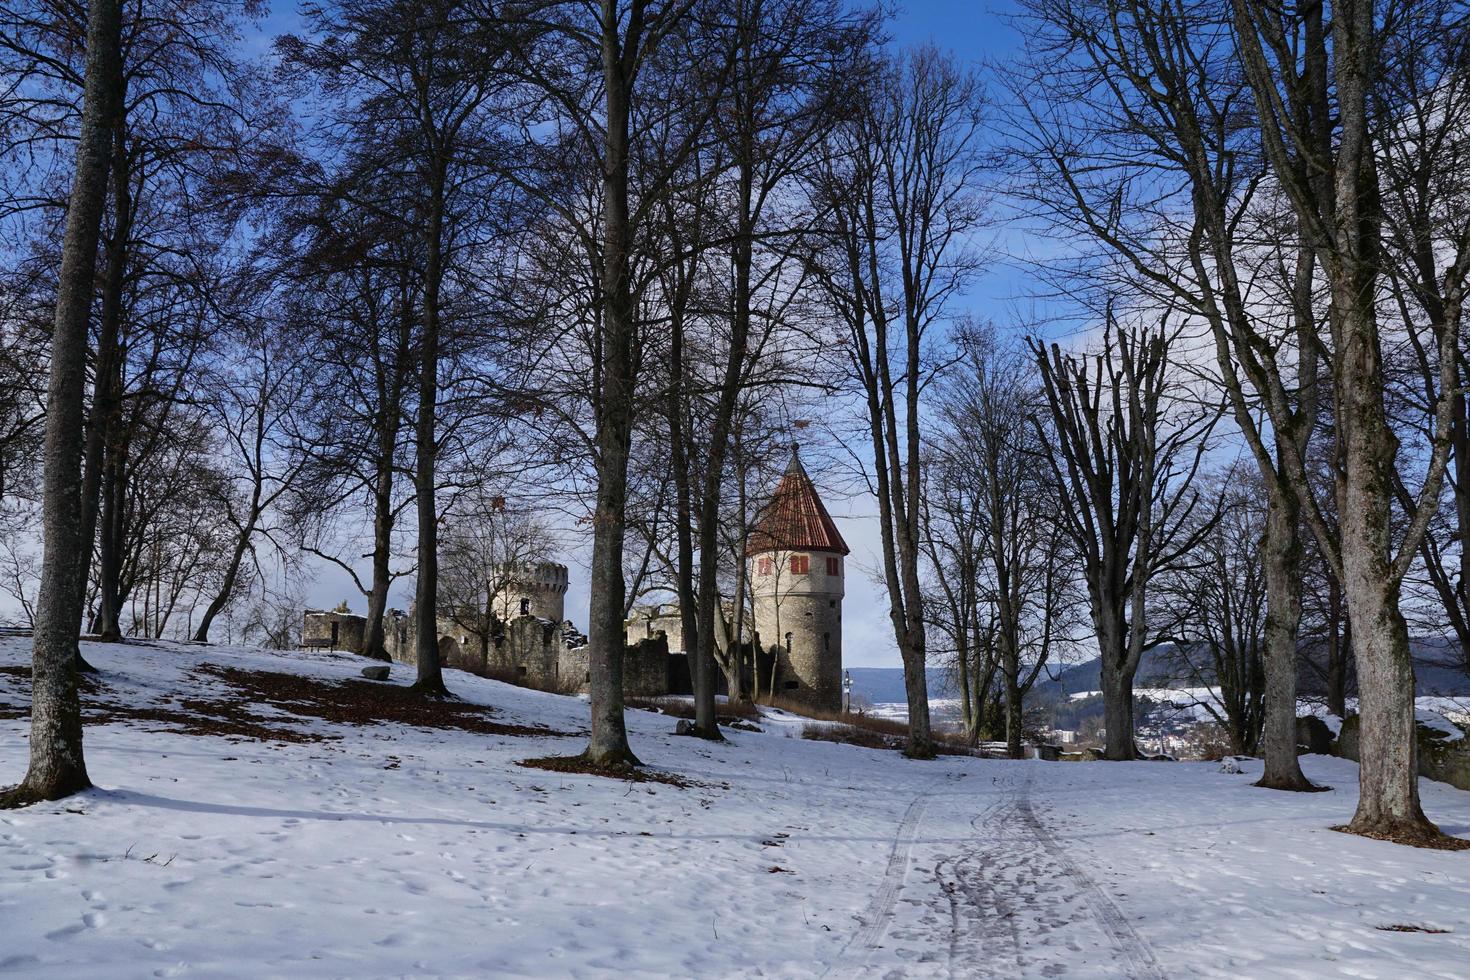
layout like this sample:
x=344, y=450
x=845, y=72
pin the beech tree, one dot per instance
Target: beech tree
x=603, y=72
x=898, y=183
x=422, y=80
x=1123, y=459
x=57, y=768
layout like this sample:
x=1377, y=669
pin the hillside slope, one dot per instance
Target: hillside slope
x=330, y=847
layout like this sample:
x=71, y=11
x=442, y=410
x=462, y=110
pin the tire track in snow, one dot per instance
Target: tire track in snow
x=1141, y=963
x=876, y=917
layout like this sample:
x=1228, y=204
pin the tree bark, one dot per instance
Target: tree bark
x=1281, y=555
x=430, y=675
x=606, y=639
x=57, y=766
x=107, y=371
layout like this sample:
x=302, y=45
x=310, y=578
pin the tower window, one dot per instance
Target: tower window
x=763, y=566
x=834, y=566
x=827, y=641
x=831, y=603
x=788, y=643
x=801, y=564
x=525, y=607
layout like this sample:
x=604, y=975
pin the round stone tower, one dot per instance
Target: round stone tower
x=532, y=589
x=797, y=572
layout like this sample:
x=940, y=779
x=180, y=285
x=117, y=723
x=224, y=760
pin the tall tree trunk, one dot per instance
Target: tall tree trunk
x=1117, y=688
x=107, y=388
x=1281, y=558
x=1013, y=700
x=373, y=642
x=1388, y=777
x=709, y=503
x=430, y=679
x=1339, y=642
x=390, y=399
x=679, y=460
x=110, y=545
x=57, y=766
x=606, y=640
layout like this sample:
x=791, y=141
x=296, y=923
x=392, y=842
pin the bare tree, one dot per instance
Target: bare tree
x=1217, y=599
x=57, y=768
x=1123, y=463
x=1329, y=172
x=1168, y=178
x=1023, y=571
x=424, y=76
x=899, y=180
x=254, y=399
x=598, y=68
x=485, y=544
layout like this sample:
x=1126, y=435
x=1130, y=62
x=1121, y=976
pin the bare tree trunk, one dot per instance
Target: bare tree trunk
x=107, y=370
x=373, y=642
x=684, y=531
x=606, y=641
x=1388, y=777
x=57, y=767
x=1281, y=558
x=1339, y=641
x=430, y=679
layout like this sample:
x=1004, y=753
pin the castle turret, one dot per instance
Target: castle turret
x=531, y=589
x=797, y=569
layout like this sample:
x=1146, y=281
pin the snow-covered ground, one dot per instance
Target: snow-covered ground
x=395, y=851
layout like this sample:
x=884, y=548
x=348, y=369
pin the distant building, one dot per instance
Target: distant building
x=531, y=589
x=797, y=572
x=332, y=629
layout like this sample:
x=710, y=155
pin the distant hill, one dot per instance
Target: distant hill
x=1436, y=670
x=884, y=685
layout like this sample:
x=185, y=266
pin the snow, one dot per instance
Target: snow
x=398, y=851
x=1437, y=722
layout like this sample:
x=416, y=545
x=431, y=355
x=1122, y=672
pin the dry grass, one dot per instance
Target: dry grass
x=726, y=712
x=356, y=702
x=1403, y=927
x=853, y=728
x=1429, y=839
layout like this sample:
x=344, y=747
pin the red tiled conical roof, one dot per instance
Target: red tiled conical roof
x=795, y=519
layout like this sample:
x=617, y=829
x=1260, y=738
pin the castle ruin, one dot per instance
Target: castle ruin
x=796, y=567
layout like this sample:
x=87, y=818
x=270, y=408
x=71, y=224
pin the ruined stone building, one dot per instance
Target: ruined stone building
x=529, y=641
x=797, y=570
x=531, y=589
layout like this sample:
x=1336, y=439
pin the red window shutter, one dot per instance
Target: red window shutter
x=833, y=568
x=764, y=566
x=801, y=564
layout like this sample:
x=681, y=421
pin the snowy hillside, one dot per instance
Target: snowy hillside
x=336, y=848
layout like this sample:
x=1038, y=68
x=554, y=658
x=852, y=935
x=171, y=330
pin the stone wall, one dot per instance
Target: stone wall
x=531, y=589
x=1441, y=756
x=799, y=619
x=321, y=629
x=533, y=652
